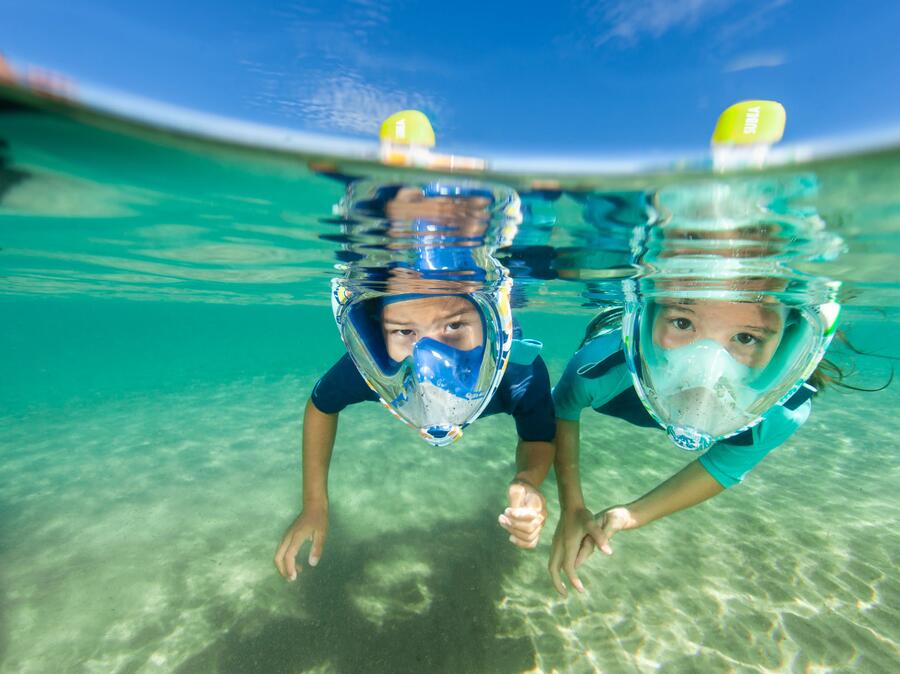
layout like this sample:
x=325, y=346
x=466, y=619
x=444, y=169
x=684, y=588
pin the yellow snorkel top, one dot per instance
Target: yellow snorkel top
x=750, y=123
x=407, y=139
x=407, y=127
x=744, y=133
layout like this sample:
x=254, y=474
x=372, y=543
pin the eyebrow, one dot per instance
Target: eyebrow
x=760, y=328
x=441, y=317
x=680, y=306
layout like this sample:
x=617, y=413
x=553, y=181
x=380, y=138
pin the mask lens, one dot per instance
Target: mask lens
x=709, y=369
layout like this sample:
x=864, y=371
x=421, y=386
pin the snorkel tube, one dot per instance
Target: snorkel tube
x=744, y=133
x=407, y=139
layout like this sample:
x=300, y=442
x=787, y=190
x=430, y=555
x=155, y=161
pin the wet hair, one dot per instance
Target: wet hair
x=607, y=320
x=828, y=373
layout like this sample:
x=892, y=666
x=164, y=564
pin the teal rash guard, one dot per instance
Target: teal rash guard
x=598, y=377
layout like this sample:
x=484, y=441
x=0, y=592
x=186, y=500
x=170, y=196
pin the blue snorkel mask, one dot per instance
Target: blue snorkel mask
x=437, y=388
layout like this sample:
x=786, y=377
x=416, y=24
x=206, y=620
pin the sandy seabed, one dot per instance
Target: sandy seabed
x=137, y=536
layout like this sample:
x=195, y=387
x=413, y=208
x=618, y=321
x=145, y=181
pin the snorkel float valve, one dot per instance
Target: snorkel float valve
x=407, y=139
x=744, y=133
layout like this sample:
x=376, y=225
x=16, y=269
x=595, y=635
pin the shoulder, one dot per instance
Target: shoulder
x=342, y=385
x=525, y=378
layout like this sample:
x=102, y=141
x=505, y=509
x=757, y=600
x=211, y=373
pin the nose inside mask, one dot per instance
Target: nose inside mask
x=700, y=392
x=702, y=364
x=447, y=368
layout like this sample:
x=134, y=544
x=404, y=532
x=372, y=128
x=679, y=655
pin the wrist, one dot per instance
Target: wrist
x=571, y=503
x=632, y=518
x=570, y=495
x=315, y=503
x=529, y=477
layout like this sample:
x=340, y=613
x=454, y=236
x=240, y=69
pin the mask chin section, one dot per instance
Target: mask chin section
x=689, y=438
x=441, y=436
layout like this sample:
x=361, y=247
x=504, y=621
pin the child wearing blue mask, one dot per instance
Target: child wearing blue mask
x=439, y=354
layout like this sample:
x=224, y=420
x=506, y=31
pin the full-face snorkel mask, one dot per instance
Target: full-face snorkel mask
x=438, y=389
x=699, y=392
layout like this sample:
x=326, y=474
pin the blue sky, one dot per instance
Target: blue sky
x=599, y=78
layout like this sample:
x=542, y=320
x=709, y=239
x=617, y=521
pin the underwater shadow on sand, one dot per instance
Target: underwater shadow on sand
x=442, y=620
x=6, y=540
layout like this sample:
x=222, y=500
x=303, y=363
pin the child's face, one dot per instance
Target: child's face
x=410, y=203
x=749, y=331
x=452, y=320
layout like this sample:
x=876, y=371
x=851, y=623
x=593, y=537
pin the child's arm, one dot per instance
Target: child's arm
x=533, y=411
x=723, y=466
x=575, y=520
x=319, y=430
x=533, y=461
x=527, y=511
x=690, y=486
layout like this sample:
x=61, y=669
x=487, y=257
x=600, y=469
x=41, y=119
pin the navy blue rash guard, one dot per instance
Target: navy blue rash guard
x=524, y=392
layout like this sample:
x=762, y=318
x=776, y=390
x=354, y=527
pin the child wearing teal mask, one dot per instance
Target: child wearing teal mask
x=731, y=377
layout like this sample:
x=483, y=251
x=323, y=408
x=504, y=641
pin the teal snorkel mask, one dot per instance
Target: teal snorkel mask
x=701, y=389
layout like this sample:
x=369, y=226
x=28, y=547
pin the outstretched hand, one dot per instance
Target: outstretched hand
x=310, y=524
x=606, y=525
x=524, y=518
x=575, y=529
x=577, y=534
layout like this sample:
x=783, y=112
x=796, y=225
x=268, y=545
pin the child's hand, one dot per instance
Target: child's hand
x=525, y=516
x=575, y=529
x=311, y=523
x=608, y=523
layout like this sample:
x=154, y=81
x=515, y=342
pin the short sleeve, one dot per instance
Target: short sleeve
x=570, y=395
x=729, y=464
x=532, y=403
x=342, y=385
x=575, y=391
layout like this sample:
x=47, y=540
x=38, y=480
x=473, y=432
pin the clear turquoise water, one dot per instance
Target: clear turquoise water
x=165, y=314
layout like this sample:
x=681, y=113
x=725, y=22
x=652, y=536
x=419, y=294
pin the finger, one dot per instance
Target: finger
x=318, y=544
x=585, y=551
x=523, y=513
x=525, y=544
x=553, y=568
x=573, y=577
x=569, y=563
x=516, y=495
x=534, y=500
x=290, y=558
x=602, y=536
x=279, y=556
x=524, y=540
x=525, y=527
